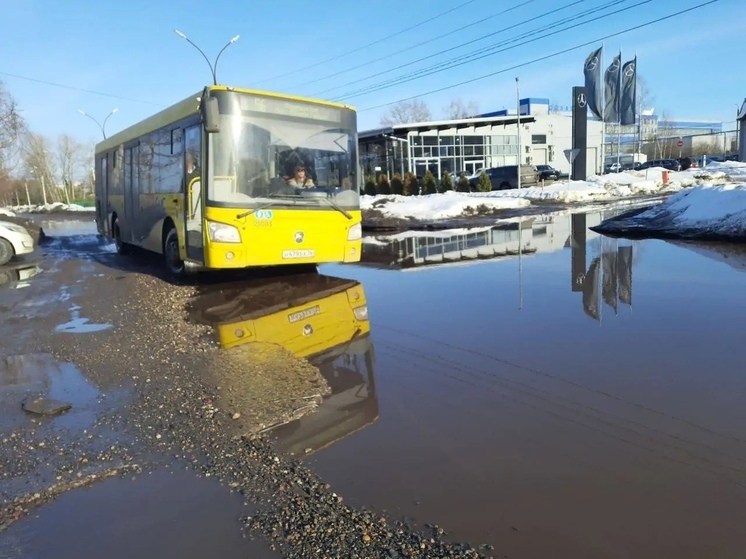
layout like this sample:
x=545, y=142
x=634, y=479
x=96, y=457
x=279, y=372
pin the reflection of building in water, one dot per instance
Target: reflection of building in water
x=536, y=234
x=609, y=274
x=321, y=318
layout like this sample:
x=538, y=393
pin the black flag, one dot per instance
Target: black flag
x=625, y=274
x=592, y=73
x=611, y=82
x=628, y=102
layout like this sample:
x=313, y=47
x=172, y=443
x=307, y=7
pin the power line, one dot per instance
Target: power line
x=546, y=57
x=376, y=42
x=74, y=88
x=495, y=49
x=422, y=43
x=446, y=51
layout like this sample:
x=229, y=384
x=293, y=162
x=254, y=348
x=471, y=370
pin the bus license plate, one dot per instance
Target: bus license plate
x=287, y=254
x=300, y=315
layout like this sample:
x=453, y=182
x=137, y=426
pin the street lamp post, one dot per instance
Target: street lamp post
x=518, y=122
x=101, y=127
x=213, y=66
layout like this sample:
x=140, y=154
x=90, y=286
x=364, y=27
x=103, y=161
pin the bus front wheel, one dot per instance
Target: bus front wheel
x=174, y=263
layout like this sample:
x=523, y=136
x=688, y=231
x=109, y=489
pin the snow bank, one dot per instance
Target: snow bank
x=7, y=212
x=439, y=206
x=704, y=212
x=52, y=208
x=614, y=186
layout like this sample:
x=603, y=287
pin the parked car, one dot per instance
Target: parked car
x=687, y=163
x=547, y=173
x=503, y=178
x=670, y=164
x=15, y=240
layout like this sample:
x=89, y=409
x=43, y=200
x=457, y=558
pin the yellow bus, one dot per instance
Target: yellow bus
x=323, y=319
x=234, y=178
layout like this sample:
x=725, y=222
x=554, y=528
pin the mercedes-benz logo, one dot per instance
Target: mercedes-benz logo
x=298, y=237
x=629, y=71
x=614, y=66
x=592, y=63
x=581, y=100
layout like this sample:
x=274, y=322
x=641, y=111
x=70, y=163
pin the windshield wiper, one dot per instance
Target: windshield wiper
x=334, y=205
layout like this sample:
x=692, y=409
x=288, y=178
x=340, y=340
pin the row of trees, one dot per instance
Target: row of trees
x=416, y=110
x=34, y=169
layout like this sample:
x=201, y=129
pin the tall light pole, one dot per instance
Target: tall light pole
x=213, y=67
x=101, y=127
x=518, y=122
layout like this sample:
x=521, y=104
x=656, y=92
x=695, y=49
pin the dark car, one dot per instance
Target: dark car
x=503, y=178
x=670, y=164
x=547, y=173
x=687, y=163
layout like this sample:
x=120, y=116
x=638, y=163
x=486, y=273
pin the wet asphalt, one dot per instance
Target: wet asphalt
x=530, y=389
x=155, y=391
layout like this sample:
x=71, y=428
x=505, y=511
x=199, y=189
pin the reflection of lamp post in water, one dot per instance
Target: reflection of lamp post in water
x=213, y=67
x=101, y=127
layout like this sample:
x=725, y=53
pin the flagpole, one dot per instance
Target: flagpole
x=619, y=114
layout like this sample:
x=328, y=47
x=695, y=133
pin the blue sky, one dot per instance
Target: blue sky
x=129, y=51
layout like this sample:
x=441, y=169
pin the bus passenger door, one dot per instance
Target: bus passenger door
x=194, y=198
x=131, y=197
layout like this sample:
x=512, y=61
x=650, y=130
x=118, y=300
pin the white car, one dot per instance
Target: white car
x=15, y=240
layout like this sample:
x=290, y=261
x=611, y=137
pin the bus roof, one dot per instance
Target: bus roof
x=190, y=106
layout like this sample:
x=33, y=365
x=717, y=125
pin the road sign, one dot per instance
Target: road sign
x=680, y=143
x=571, y=154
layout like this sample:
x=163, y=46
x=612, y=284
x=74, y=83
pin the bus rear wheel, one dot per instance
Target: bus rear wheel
x=174, y=263
x=122, y=247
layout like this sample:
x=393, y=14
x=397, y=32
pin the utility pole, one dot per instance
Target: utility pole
x=518, y=122
x=43, y=188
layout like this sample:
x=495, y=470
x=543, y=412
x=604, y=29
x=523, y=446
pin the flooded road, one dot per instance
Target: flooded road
x=583, y=400
x=530, y=386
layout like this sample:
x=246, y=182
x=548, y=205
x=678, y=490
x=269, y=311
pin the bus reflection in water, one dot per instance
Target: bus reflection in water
x=323, y=319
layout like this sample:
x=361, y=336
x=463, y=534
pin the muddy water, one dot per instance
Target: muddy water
x=169, y=513
x=583, y=399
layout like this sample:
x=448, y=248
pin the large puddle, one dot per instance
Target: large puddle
x=535, y=386
x=554, y=393
x=168, y=513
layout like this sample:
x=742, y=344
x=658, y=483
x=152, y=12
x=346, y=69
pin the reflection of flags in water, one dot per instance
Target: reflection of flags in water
x=590, y=290
x=625, y=274
x=610, y=281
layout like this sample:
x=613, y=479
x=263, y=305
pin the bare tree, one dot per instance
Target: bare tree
x=406, y=112
x=71, y=160
x=40, y=169
x=457, y=109
x=12, y=128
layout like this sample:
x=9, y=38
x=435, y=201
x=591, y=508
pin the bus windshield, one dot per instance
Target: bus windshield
x=284, y=153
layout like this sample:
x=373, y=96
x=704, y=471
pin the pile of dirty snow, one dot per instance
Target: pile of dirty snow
x=55, y=207
x=4, y=211
x=439, y=206
x=708, y=212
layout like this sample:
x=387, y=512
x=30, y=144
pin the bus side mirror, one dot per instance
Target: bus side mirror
x=210, y=114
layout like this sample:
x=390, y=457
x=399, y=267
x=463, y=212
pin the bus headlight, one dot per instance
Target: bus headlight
x=361, y=313
x=355, y=233
x=222, y=233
